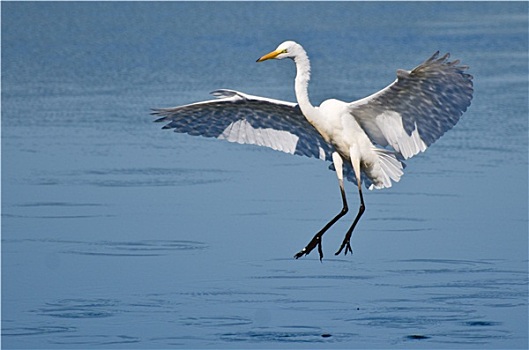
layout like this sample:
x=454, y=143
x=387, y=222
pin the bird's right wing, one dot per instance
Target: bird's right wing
x=247, y=119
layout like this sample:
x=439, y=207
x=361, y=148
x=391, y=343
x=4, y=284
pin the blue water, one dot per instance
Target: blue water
x=116, y=234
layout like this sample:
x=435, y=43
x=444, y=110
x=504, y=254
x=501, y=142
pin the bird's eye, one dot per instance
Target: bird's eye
x=284, y=51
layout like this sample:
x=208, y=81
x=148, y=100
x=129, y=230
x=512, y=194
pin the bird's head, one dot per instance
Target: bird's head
x=287, y=49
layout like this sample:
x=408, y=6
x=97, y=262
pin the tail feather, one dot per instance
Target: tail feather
x=392, y=168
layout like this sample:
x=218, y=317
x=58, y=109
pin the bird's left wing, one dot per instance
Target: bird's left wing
x=418, y=107
x=247, y=119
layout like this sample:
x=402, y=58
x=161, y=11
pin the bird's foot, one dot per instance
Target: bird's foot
x=347, y=245
x=316, y=241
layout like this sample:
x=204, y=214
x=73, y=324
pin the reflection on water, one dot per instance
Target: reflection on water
x=116, y=234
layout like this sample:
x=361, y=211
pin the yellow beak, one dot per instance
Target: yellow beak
x=269, y=56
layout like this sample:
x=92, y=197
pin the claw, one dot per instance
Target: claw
x=347, y=246
x=320, y=251
x=316, y=241
x=348, y=249
x=301, y=253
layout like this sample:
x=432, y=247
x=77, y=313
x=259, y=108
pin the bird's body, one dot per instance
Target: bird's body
x=367, y=140
x=349, y=140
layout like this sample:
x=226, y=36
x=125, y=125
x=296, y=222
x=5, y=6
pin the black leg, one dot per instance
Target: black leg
x=347, y=240
x=316, y=240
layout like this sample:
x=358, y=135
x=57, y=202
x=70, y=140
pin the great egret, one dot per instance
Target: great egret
x=408, y=116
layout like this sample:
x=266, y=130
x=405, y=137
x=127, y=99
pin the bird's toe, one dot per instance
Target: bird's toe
x=301, y=253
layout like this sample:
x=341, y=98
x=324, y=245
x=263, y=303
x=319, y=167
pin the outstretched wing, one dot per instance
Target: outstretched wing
x=247, y=119
x=417, y=108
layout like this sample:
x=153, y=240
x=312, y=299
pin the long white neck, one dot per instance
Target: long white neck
x=301, y=85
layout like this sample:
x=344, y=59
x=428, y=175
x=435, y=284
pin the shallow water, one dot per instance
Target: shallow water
x=116, y=234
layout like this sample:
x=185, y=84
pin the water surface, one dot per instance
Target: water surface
x=116, y=234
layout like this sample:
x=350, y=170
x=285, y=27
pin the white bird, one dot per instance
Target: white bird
x=366, y=140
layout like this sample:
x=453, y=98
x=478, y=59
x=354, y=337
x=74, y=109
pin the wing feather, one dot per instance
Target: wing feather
x=418, y=108
x=247, y=119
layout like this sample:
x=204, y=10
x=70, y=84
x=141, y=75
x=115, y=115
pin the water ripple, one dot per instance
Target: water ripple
x=292, y=334
x=137, y=248
x=140, y=248
x=133, y=177
x=56, y=204
x=80, y=308
x=98, y=308
x=449, y=307
x=95, y=340
x=223, y=321
x=316, y=277
x=40, y=330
